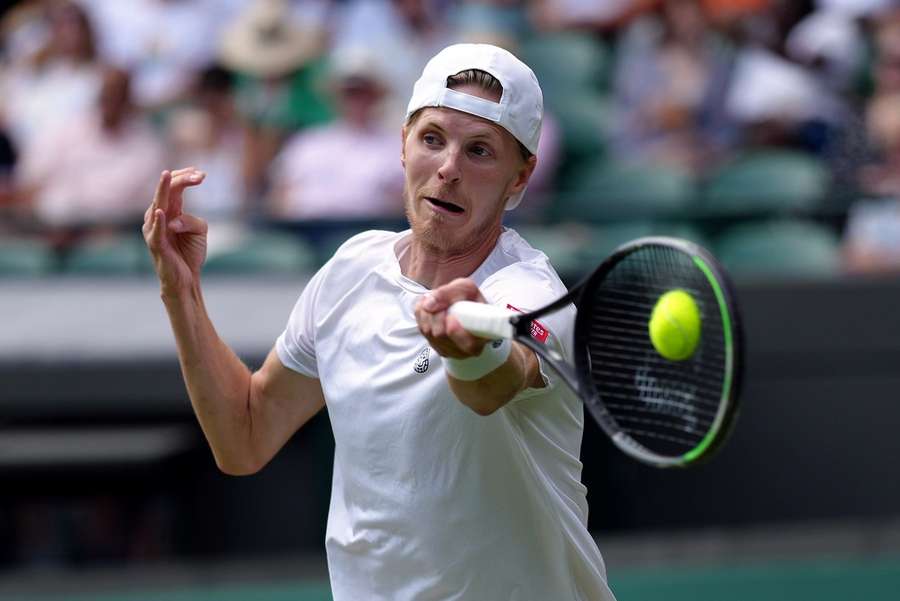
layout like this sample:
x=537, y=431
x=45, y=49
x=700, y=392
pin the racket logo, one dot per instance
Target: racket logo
x=538, y=331
x=667, y=398
x=422, y=360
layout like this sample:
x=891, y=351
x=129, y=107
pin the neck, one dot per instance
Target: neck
x=433, y=267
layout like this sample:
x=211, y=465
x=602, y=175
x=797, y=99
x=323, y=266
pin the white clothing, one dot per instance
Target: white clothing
x=339, y=171
x=85, y=174
x=873, y=226
x=162, y=44
x=430, y=500
x=35, y=102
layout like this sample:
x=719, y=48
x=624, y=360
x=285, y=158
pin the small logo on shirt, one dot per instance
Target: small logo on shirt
x=538, y=331
x=421, y=364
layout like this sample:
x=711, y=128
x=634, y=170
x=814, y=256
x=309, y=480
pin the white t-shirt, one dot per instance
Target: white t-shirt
x=430, y=500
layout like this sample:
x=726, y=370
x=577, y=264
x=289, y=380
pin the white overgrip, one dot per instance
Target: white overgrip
x=482, y=320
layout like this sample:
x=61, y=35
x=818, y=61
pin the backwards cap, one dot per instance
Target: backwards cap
x=521, y=107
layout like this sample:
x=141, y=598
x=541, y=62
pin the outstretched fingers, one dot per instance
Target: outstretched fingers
x=182, y=179
x=160, y=198
x=156, y=235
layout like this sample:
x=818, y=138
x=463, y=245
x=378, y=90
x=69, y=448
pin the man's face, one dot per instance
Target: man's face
x=460, y=169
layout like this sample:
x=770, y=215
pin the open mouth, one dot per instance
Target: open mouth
x=443, y=204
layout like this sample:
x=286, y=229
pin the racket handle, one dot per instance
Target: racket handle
x=482, y=320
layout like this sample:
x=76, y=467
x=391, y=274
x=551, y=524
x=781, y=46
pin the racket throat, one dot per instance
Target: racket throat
x=554, y=360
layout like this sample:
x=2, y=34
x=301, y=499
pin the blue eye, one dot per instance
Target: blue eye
x=430, y=139
x=481, y=151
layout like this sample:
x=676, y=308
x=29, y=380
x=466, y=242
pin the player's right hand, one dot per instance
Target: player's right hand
x=177, y=240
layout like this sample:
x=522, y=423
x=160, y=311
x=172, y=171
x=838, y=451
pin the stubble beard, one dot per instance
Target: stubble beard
x=434, y=232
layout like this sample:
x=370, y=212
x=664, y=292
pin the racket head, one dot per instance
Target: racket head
x=661, y=412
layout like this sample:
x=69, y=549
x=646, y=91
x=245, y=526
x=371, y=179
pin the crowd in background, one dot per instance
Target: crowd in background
x=293, y=108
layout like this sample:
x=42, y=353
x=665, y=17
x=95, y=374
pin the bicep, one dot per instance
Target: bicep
x=281, y=401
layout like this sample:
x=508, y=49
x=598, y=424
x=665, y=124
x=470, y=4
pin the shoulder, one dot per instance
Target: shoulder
x=364, y=251
x=351, y=265
x=522, y=271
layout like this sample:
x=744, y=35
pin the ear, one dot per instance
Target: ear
x=523, y=175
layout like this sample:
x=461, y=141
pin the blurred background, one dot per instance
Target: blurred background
x=765, y=130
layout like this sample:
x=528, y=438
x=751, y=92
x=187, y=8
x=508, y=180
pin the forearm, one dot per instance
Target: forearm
x=217, y=381
x=494, y=390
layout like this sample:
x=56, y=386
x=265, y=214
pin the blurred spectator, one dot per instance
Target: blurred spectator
x=23, y=30
x=277, y=53
x=408, y=31
x=882, y=176
x=831, y=44
x=872, y=237
x=209, y=134
x=95, y=170
x=349, y=168
x=777, y=101
x=57, y=82
x=8, y=157
x=551, y=15
x=499, y=22
x=669, y=80
x=163, y=43
x=856, y=8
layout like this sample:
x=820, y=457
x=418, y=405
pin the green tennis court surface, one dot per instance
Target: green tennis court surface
x=822, y=580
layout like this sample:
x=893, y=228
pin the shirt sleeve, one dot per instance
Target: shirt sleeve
x=296, y=346
x=524, y=287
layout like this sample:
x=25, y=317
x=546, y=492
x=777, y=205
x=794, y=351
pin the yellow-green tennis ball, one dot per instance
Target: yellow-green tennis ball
x=675, y=325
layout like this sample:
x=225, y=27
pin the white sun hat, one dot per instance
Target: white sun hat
x=521, y=107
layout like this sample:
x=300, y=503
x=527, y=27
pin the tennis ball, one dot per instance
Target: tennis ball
x=675, y=325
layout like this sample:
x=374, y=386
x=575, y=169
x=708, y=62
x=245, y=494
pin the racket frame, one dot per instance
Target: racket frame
x=578, y=378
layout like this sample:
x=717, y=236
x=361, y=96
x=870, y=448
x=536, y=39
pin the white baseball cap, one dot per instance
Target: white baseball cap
x=521, y=107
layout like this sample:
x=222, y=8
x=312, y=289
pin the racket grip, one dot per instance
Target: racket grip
x=482, y=320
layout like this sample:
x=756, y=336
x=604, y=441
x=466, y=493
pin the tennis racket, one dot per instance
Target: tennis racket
x=662, y=412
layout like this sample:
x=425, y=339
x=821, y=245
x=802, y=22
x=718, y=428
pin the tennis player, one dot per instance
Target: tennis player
x=456, y=469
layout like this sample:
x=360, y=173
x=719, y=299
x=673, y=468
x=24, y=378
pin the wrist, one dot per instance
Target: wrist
x=492, y=357
x=174, y=295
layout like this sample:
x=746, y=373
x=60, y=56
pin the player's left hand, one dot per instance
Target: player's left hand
x=444, y=332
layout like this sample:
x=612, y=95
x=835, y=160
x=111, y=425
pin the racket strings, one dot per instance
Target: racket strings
x=667, y=406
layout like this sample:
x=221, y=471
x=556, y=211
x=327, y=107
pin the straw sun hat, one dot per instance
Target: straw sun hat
x=265, y=40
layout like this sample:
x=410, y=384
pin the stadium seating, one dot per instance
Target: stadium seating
x=114, y=255
x=599, y=191
x=575, y=249
x=780, y=248
x=567, y=61
x=573, y=69
x=24, y=257
x=263, y=252
x=767, y=182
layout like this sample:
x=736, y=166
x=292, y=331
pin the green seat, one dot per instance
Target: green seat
x=600, y=191
x=562, y=243
x=584, y=121
x=567, y=61
x=773, y=182
x=789, y=248
x=25, y=257
x=263, y=253
x=573, y=69
x=576, y=249
x=116, y=255
x=607, y=238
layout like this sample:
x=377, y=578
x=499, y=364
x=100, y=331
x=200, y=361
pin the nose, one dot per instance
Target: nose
x=449, y=170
